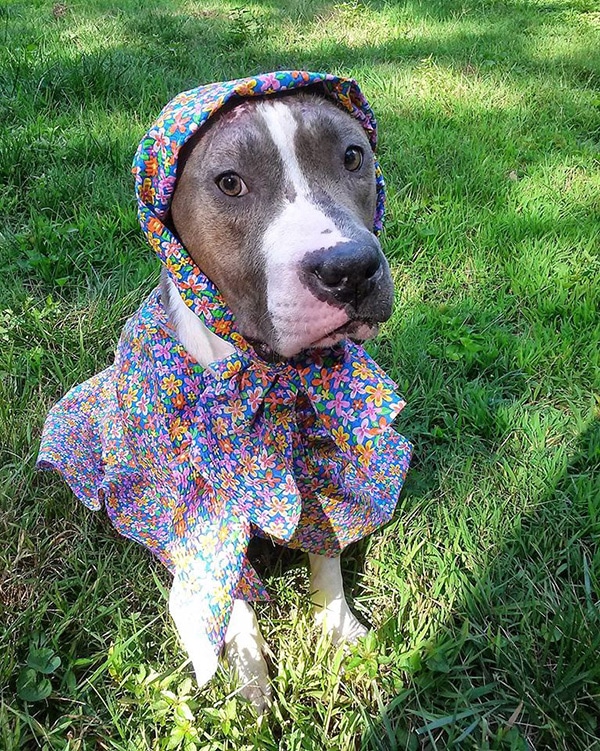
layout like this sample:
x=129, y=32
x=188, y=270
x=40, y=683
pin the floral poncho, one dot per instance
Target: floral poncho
x=192, y=462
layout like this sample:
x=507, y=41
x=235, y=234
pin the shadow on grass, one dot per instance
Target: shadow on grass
x=534, y=609
x=174, y=48
x=531, y=607
x=141, y=63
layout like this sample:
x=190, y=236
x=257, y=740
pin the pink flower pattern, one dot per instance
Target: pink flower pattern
x=191, y=463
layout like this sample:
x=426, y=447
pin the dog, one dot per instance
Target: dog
x=305, y=275
x=274, y=199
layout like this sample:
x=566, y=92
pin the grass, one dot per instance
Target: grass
x=484, y=592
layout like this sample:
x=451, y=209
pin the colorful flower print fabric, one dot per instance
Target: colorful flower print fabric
x=193, y=462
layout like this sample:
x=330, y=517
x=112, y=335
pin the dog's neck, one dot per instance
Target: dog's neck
x=201, y=343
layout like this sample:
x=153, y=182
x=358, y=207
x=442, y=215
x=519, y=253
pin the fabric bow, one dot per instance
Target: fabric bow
x=252, y=447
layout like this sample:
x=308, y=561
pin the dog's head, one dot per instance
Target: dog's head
x=275, y=201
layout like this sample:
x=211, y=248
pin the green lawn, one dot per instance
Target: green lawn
x=484, y=592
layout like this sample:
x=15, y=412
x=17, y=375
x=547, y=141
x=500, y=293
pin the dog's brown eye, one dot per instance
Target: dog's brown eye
x=353, y=158
x=231, y=184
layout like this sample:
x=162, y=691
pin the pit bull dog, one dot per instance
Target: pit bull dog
x=240, y=402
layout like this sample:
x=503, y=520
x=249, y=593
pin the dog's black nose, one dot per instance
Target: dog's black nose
x=346, y=273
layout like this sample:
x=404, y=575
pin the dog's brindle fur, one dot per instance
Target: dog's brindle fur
x=259, y=248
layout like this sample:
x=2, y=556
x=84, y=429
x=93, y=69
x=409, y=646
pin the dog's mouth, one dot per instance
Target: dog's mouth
x=357, y=330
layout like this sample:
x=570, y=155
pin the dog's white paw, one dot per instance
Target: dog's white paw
x=184, y=607
x=339, y=622
x=205, y=663
x=244, y=652
x=332, y=613
x=245, y=657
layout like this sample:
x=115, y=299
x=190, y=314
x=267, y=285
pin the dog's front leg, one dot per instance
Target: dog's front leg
x=244, y=644
x=184, y=606
x=244, y=650
x=332, y=612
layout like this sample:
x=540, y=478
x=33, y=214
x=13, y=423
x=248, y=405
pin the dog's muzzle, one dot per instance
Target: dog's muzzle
x=354, y=275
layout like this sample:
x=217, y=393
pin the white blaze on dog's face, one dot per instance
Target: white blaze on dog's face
x=275, y=202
